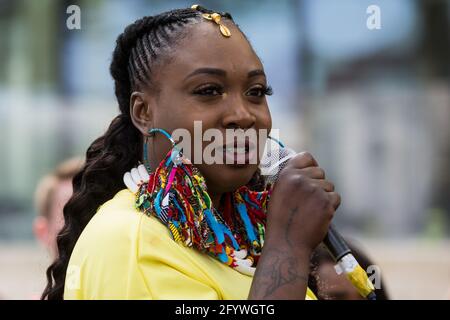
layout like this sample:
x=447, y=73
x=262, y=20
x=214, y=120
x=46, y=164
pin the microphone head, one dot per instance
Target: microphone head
x=274, y=159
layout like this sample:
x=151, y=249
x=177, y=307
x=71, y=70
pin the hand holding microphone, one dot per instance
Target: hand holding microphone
x=310, y=202
x=299, y=213
x=302, y=204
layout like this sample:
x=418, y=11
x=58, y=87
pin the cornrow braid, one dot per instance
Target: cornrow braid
x=142, y=43
x=119, y=149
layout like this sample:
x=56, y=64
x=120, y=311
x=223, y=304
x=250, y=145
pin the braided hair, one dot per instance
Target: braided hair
x=137, y=50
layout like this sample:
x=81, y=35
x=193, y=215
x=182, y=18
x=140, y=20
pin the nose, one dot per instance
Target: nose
x=238, y=115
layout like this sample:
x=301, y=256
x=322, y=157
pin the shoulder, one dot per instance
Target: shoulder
x=110, y=234
x=115, y=220
x=104, y=262
x=117, y=230
x=118, y=223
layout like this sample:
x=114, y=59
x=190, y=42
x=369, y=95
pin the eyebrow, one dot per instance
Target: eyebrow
x=223, y=73
x=257, y=72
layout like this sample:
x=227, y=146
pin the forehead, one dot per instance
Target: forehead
x=205, y=46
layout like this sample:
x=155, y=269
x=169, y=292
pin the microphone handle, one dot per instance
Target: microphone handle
x=336, y=244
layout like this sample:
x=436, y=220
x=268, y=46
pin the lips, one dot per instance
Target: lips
x=239, y=152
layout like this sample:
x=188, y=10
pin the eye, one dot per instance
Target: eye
x=209, y=90
x=259, y=91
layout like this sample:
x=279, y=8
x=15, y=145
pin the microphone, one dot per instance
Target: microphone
x=272, y=162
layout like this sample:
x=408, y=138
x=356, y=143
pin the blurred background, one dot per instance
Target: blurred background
x=373, y=107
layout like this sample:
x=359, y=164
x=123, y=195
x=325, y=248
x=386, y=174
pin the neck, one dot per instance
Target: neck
x=215, y=198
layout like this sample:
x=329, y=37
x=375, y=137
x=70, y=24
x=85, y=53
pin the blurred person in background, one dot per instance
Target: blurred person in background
x=327, y=284
x=52, y=193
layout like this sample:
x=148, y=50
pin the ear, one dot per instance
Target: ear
x=141, y=111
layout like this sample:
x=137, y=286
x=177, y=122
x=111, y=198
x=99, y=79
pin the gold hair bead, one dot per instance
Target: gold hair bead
x=207, y=16
x=224, y=30
x=216, y=18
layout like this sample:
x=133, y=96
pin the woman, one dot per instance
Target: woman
x=170, y=70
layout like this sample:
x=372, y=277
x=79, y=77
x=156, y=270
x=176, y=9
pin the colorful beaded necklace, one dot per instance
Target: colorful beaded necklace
x=176, y=194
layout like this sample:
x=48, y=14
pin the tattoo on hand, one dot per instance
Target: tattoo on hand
x=281, y=270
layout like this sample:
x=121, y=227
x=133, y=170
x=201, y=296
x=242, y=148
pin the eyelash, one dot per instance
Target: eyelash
x=202, y=91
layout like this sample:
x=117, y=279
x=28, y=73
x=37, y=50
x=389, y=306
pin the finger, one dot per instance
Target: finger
x=323, y=184
x=302, y=160
x=335, y=199
x=313, y=172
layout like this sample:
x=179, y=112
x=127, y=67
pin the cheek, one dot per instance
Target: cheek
x=263, y=118
x=179, y=111
x=186, y=123
x=263, y=122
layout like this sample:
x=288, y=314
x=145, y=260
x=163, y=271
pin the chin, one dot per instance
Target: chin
x=227, y=178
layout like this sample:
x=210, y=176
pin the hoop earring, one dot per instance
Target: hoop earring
x=152, y=133
x=281, y=144
x=145, y=155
